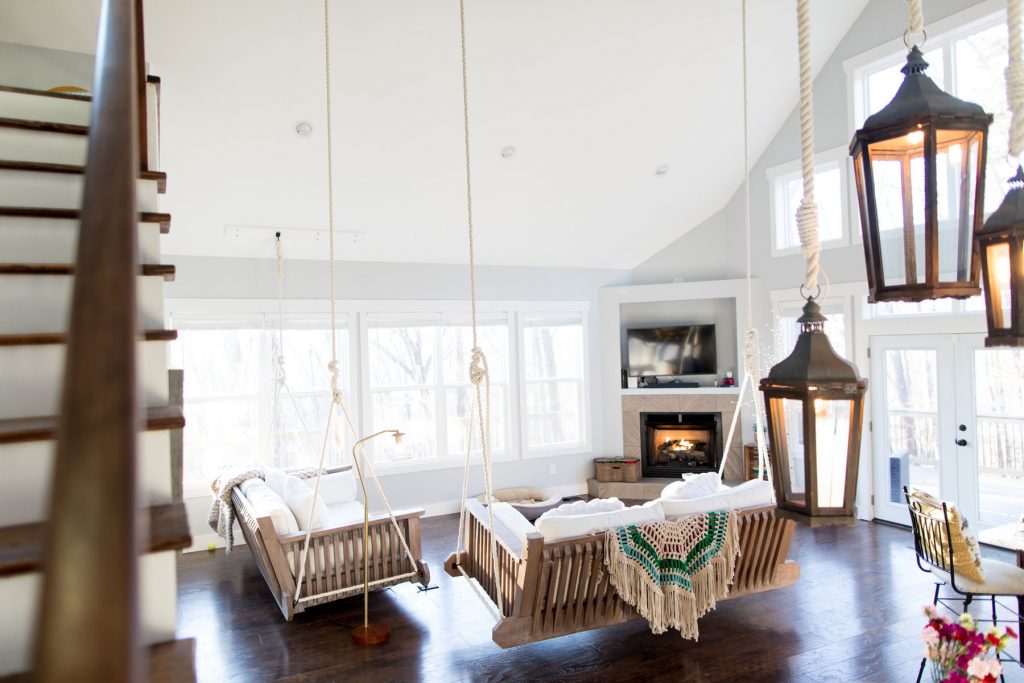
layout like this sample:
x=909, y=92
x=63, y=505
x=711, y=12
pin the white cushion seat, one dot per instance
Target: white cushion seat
x=343, y=514
x=1001, y=578
x=750, y=494
x=266, y=503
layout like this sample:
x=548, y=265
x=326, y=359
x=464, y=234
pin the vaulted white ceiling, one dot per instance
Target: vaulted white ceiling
x=594, y=95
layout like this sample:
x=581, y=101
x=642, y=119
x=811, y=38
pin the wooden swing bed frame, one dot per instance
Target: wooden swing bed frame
x=556, y=588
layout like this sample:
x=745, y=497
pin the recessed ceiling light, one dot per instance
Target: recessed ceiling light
x=508, y=152
x=661, y=170
x=304, y=129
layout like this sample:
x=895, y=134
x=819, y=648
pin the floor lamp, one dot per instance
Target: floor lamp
x=369, y=634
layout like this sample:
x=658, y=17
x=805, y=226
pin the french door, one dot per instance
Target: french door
x=947, y=416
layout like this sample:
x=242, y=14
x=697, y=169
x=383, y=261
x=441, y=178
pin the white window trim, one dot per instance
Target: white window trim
x=838, y=155
x=356, y=313
x=584, y=446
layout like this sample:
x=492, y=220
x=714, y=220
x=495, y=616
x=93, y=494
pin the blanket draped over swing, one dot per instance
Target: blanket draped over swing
x=673, y=573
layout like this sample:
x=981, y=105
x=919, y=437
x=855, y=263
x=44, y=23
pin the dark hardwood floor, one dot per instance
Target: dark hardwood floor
x=854, y=615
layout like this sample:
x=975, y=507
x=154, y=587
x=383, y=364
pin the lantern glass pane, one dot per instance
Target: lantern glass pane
x=897, y=167
x=788, y=424
x=957, y=161
x=998, y=285
x=832, y=441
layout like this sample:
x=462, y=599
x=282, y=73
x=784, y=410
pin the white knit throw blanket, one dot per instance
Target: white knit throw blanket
x=222, y=513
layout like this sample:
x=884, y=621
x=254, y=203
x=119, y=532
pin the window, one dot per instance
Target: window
x=419, y=383
x=234, y=411
x=553, y=382
x=787, y=190
x=967, y=62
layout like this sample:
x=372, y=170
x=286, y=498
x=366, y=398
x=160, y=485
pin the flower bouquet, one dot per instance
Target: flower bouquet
x=959, y=652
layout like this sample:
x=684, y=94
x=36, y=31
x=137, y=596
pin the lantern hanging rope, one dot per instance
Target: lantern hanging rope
x=807, y=214
x=333, y=367
x=1015, y=77
x=479, y=375
x=752, y=342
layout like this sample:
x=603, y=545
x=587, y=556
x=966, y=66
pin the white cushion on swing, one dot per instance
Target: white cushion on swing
x=300, y=498
x=266, y=503
x=580, y=519
x=336, y=487
x=750, y=494
x=345, y=513
x=694, y=486
x=276, y=479
x=513, y=519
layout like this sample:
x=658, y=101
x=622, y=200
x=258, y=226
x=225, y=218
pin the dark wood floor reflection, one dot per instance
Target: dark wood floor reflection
x=853, y=616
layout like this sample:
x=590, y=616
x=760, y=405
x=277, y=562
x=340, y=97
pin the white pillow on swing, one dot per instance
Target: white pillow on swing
x=300, y=498
x=694, y=486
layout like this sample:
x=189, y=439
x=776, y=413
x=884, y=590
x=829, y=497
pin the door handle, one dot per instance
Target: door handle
x=961, y=442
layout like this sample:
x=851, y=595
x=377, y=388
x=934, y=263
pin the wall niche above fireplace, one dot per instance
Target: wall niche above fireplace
x=673, y=444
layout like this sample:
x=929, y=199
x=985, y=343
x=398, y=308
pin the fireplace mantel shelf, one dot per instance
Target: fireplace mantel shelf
x=680, y=390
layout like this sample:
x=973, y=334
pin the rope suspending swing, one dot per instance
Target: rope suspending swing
x=1015, y=77
x=334, y=367
x=479, y=375
x=752, y=340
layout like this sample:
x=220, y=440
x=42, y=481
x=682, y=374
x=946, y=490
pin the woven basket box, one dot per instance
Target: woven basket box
x=617, y=469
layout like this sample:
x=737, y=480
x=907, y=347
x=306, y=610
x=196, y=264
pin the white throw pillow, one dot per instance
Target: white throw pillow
x=344, y=514
x=693, y=486
x=300, y=499
x=275, y=479
x=336, y=487
x=513, y=519
x=558, y=526
x=750, y=494
x=581, y=507
x=266, y=503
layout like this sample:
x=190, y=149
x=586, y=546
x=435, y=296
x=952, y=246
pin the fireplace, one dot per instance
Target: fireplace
x=674, y=443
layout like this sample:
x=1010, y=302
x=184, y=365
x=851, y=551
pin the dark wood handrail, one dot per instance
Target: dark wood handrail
x=88, y=619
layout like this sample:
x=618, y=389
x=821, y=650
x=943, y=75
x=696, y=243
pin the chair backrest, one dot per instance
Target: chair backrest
x=932, y=535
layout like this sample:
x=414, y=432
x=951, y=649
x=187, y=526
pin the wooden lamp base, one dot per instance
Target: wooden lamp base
x=371, y=634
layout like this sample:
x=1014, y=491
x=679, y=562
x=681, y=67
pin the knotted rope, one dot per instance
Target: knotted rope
x=479, y=373
x=807, y=214
x=1015, y=77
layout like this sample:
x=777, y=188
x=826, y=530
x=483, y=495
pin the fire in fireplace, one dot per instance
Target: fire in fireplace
x=674, y=443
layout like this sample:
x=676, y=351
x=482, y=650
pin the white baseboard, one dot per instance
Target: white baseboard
x=201, y=542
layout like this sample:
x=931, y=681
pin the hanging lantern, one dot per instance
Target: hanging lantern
x=919, y=164
x=1001, y=244
x=815, y=409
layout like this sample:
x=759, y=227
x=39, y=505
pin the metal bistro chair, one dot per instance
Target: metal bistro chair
x=933, y=545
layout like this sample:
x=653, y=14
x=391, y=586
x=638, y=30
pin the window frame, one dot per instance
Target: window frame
x=838, y=156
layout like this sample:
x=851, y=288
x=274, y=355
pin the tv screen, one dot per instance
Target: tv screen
x=672, y=351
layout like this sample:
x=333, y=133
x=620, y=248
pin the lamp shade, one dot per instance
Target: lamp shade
x=1001, y=245
x=919, y=165
x=814, y=403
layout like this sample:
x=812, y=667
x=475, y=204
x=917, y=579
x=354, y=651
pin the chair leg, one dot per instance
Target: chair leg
x=967, y=602
x=935, y=598
x=920, y=669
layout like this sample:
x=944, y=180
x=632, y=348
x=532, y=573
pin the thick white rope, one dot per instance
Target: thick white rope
x=807, y=214
x=479, y=373
x=1015, y=77
x=915, y=19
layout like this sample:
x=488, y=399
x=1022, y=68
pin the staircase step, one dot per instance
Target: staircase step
x=44, y=126
x=20, y=430
x=46, y=338
x=172, y=661
x=164, y=219
x=73, y=169
x=165, y=271
x=21, y=546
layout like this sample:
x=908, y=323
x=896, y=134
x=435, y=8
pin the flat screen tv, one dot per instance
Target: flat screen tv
x=672, y=351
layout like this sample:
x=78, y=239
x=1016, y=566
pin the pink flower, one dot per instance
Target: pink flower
x=984, y=668
x=930, y=636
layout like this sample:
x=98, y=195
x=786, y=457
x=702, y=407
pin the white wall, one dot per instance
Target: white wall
x=438, y=491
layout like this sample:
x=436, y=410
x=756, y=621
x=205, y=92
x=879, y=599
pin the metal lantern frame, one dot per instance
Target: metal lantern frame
x=813, y=372
x=1004, y=231
x=914, y=118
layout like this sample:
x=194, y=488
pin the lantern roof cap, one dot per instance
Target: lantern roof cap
x=1010, y=213
x=813, y=358
x=919, y=96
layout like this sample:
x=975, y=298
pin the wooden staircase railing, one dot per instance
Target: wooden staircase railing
x=88, y=628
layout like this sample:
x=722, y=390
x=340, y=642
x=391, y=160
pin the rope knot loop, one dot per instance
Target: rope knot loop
x=807, y=227
x=333, y=368
x=478, y=371
x=280, y=371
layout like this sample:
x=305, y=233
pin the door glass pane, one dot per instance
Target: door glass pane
x=911, y=393
x=999, y=387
